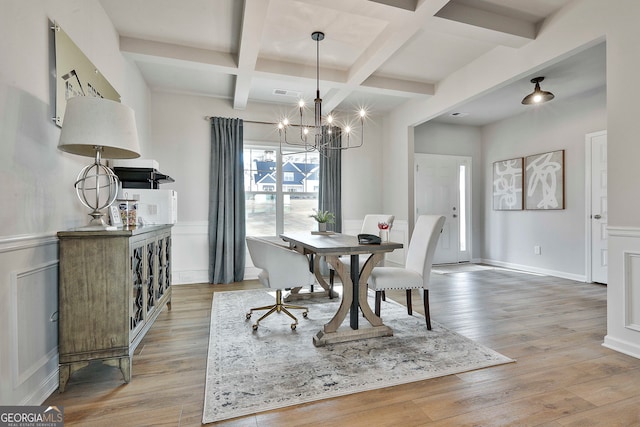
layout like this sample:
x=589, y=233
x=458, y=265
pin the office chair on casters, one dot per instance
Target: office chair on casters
x=282, y=269
x=417, y=270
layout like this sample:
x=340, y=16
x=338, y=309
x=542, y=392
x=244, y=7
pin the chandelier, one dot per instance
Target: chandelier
x=322, y=135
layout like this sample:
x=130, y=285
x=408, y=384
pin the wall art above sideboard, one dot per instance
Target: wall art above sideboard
x=76, y=75
x=535, y=182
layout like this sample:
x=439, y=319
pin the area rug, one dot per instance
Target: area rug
x=274, y=367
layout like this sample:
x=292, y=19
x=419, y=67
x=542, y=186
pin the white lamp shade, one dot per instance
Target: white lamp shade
x=91, y=122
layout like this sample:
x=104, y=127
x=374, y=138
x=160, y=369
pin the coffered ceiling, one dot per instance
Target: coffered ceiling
x=376, y=53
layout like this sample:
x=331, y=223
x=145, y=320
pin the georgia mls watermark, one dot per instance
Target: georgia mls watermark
x=31, y=416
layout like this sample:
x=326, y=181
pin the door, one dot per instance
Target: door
x=597, y=241
x=442, y=187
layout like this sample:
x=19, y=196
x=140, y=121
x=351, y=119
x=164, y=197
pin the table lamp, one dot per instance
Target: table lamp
x=98, y=127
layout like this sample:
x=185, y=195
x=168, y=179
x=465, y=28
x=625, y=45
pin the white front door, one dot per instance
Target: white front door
x=442, y=187
x=598, y=212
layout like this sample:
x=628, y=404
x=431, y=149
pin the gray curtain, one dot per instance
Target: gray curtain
x=226, y=202
x=330, y=191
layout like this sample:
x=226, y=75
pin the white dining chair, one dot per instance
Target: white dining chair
x=282, y=269
x=417, y=270
x=369, y=226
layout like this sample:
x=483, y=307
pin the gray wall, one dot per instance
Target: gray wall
x=511, y=235
x=181, y=141
x=37, y=179
x=508, y=237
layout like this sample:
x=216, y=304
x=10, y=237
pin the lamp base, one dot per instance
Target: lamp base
x=97, y=223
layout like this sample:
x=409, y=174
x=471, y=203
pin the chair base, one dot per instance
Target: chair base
x=278, y=307
x=380, y=296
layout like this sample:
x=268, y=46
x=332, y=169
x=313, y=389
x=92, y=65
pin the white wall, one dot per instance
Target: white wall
x=511, y=235
x=181, y=139
x=37, y=179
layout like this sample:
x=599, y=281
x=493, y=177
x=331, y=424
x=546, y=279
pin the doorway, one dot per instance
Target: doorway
x=597, y=254
x=442, y=186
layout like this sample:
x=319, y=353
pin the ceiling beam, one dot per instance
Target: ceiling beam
x=518, y=30
x=383, y=47
x=167, y=53
x=250, y=36
x=402, y=4
x=398, y=87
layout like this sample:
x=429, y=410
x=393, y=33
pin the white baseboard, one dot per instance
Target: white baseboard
x=530, y=269
x=626, y=347
x=187, y=277
x=44, y=390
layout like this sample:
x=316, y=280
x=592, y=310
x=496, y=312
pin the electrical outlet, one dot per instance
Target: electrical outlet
x=536, y=250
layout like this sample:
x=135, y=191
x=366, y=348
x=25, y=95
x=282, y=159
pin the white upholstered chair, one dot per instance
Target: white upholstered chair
x=282, y=269
x=417, y=270
x=369, y=226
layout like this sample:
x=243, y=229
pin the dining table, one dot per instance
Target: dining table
x=354, y=299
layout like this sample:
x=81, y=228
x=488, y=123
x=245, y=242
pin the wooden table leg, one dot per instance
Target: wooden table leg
x=330, y=334
x=347, y=295
x=295, y=294
x=368, y=314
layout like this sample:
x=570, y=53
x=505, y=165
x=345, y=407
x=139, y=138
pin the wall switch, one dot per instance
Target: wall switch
x=536, y=250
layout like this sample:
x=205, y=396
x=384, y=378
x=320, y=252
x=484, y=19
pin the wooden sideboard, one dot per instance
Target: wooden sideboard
x=112, y=286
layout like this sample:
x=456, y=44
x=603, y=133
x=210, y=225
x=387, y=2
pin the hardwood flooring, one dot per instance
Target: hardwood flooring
x=553, y=327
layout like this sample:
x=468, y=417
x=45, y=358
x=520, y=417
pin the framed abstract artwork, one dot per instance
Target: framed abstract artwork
x=507, y=185
x=544, y=181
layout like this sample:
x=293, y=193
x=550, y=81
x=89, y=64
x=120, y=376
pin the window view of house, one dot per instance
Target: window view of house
x=281, y=190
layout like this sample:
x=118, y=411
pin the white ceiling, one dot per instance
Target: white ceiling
x=376, y=53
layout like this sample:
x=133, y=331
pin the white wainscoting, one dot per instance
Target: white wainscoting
x=28, y=318
x=190, y=252
x=631, y=290
x=623, y=291
x=190, y=240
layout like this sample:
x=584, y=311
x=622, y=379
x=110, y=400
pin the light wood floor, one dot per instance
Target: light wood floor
x=553, y=327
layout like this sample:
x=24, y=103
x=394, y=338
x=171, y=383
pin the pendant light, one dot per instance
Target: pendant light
x=538, y=96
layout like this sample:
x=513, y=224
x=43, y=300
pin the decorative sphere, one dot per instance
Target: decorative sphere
x=97, y=186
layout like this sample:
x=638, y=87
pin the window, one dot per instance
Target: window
x=463, y=208
x=280, y=190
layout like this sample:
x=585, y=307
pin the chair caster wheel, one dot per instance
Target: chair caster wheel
x=255, y=327
x=305, y=314
x=293, y=327
x=248, y=315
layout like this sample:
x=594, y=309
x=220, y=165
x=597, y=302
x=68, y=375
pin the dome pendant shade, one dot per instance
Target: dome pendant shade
x=538, y=96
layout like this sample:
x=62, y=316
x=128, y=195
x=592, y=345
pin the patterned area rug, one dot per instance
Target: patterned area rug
x=250, y=372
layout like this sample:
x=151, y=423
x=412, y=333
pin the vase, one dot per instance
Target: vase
x=322, y=226
x=384, y=235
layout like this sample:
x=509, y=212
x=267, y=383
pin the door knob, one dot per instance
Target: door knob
x=597, y=216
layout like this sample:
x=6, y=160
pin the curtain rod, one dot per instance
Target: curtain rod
x=246, y=121
x=256, y=122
